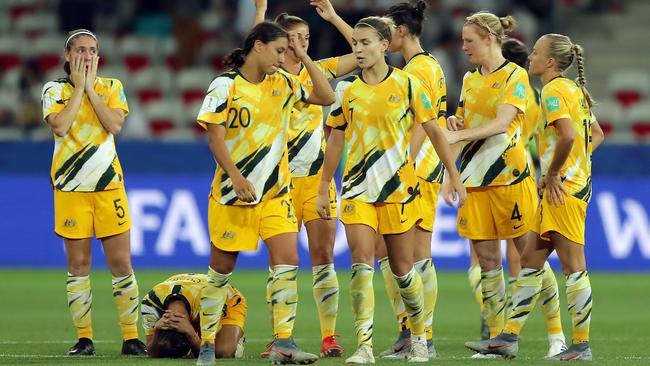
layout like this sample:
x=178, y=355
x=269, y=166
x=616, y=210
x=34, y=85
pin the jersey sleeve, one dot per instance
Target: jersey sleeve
x=214, y=109
x=554, y=105
x=117, y=97
x=150, y=316
x=328, y=66
x=51, y=98
x=298, y=89
x=420, y=102
x=460, y=110
x=516, y=89
x=337, y=118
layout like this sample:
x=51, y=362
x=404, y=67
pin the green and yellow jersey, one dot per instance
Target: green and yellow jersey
x=85, y=159
x=256, y=118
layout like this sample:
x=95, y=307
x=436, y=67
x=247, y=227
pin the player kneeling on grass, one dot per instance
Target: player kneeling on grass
x=170, y=315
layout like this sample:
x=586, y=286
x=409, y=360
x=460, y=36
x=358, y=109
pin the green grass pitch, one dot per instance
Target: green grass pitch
x=35, y=326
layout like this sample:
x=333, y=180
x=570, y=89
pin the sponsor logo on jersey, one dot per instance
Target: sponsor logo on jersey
x=228, y=235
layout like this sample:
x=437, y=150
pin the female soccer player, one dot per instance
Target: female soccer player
x=517, y=52
x=247, y=112
x=501, y=193
x=566, y=145
x=429, y=170
x=85, y=112
x=374, y=114
x=306, y=152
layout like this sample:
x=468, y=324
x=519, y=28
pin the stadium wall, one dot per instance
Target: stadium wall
x=168, y=185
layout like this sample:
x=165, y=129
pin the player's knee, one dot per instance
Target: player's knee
x=79, y=266
x=225, y=350
x=489, y=263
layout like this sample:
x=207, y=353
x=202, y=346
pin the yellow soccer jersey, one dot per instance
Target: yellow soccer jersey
x=562, y=98
x=306, y=134
x=187, y=287
x=497, y=160
x=85, y=159
x=377, y=120
x=256, y=118
x=427, y=69
x=532, y=117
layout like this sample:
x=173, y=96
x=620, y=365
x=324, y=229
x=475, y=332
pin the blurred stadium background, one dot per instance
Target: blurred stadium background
x=166, y=53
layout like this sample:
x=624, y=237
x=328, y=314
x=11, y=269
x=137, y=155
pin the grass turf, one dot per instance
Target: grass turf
x=36, y=326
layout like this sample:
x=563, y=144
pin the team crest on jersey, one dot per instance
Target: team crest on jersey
x=69, y=223
x=462, y=221
x=393, y=99
x=496, y=85
x=276, y=92
x=348, y=208
x=227, y=235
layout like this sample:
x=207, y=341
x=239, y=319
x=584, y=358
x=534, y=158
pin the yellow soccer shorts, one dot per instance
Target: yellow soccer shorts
x=568, y=220
x=304, y=191
x=78, y=214
x=234, y=313
x=499, y=212
x=384, y=218
x=427, y=202
x=238, y=228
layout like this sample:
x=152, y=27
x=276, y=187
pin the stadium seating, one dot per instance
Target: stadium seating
x=629, y=86
x=163, y=116
x=639, y=121
x=193, y=83
x=151, y=84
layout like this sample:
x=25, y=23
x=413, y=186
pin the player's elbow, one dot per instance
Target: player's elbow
x=59, y=131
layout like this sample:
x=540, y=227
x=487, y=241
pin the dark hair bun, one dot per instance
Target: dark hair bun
x=419, y=8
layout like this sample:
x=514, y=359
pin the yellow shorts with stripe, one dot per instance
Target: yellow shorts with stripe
x=384, y=218
x=567, y=220
x=235, y=310
x=78, y=214
x=500, y=212
x=237, y=228
x=427, y=203
x=304, y=191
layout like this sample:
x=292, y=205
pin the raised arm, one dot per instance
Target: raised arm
x=111, y=118
x=260, y=11
x=326, y=11
x=322, y=94
x=60, y=122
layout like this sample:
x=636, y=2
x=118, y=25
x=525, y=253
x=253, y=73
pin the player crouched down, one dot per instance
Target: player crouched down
x=170, y=316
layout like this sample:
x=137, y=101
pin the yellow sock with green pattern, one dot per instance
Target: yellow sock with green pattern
x=284, y=299
x=393, y=294
x=474, y=276
x=127, y=298
x=549, y=301
x=213, y=299
x=80, y=300
x=578, y=297
x=326, y=294
x=410, y=288
x=524, y=298
x=493, y=288
x=269, y=306
x=509, y=293
x=362, y=298
x=427, y=272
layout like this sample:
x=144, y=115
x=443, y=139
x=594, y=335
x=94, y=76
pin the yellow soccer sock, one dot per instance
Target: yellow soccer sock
x=362, y=298
x=213, y=299
x=284, y=299
x=269, y=306
x=494, y=299
x=578, y=296
x=126, y=296
x=524, y=297
x=427, y=272
x=474, y=276
x=326, y=294
x=410, y=288
x=549, y=301
x=509, y=293
x=392, y=291
x=80, y=300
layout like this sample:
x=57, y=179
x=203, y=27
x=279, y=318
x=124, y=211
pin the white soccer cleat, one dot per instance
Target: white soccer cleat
x=362, y=355
x=480, y=356
x=418, y=352
x=556, y=345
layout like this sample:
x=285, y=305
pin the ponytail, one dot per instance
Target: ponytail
x=581, y=79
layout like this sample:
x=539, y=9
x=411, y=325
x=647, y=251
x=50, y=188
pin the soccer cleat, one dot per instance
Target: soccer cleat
x=267, y=352
x=239, y=351
x=480, y=356
x=134, y=347
x=418, y=352
x=285, y=351
x=576, y=352
x=362, y=355
x=505, y=344
x=485, y=330
x=432, y=349
x=206, y=355
x=556, y=345
x=330, y=348
x=84, y=347
x=400, y=348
